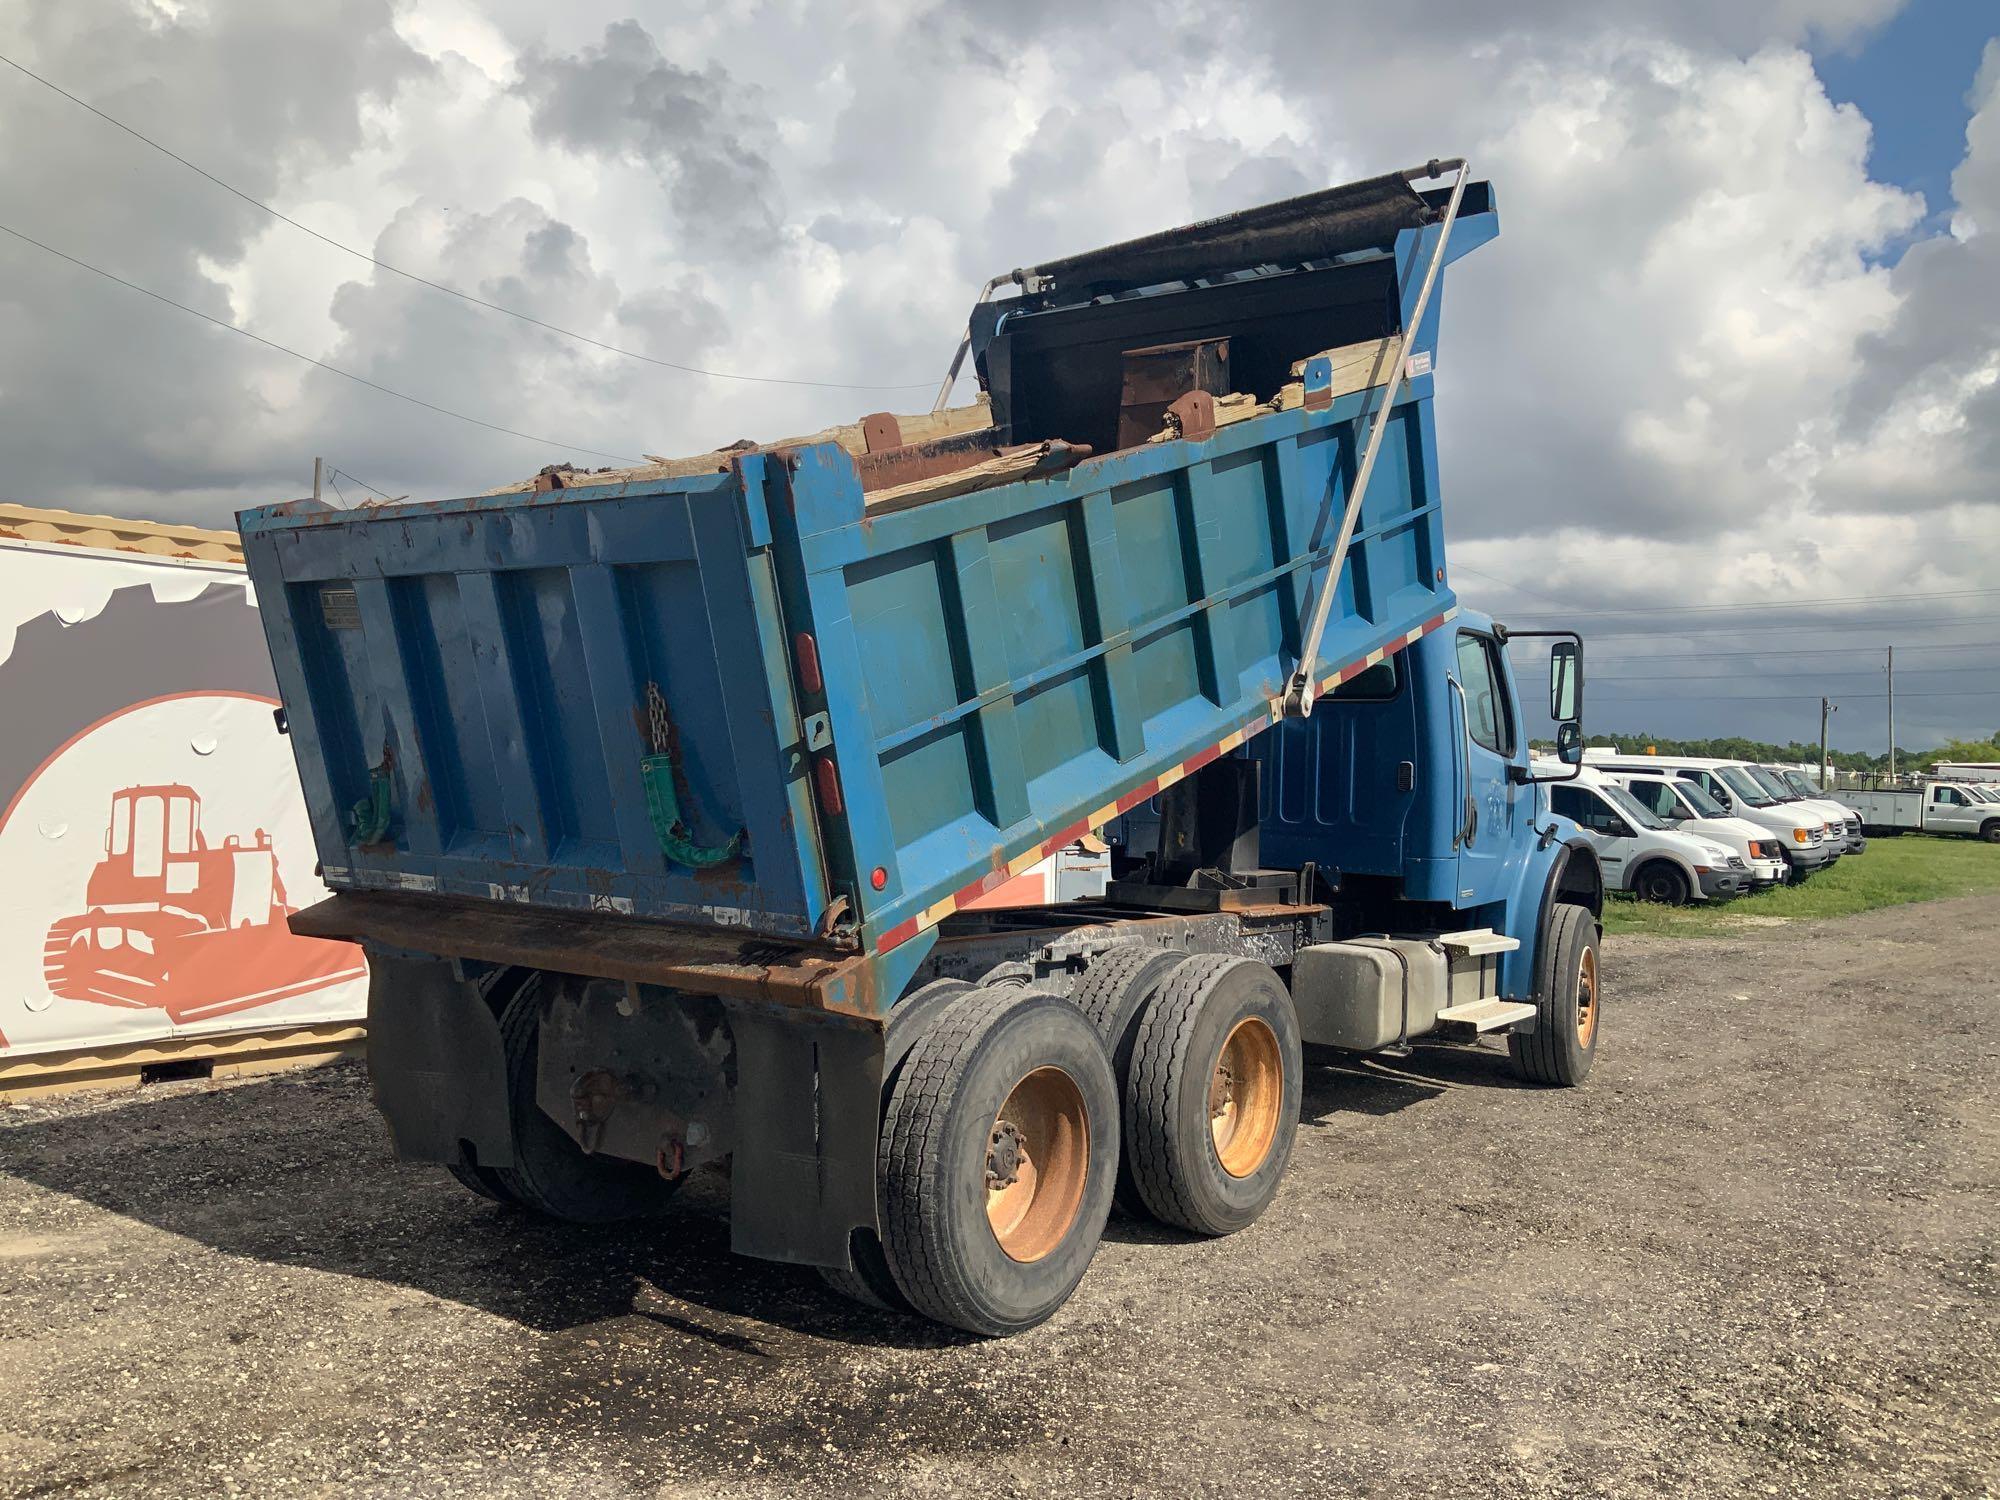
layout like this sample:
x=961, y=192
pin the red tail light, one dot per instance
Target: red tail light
x=805, y=652
x=827, y=777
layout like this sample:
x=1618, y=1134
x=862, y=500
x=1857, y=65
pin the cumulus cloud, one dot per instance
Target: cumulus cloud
x=703, y=131
x=1699, y=366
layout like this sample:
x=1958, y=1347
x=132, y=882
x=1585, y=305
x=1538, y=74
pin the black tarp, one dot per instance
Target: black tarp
x=1355, y=216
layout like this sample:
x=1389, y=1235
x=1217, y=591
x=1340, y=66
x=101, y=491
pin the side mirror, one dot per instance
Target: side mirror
x=1569, y=743
x=1566, y=681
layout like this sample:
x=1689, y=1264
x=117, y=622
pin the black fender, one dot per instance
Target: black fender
x=1576, y=878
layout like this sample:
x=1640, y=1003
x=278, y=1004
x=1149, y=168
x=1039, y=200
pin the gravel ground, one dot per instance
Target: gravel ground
x=1754, y=1255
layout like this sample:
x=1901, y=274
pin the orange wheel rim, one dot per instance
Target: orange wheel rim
x=1037, y=1160
x=1246, y=1092
x=1586, y=997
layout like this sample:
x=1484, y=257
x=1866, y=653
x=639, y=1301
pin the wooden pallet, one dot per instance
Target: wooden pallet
x=221, y=1056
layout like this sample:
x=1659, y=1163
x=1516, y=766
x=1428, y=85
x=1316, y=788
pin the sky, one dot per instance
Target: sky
x=1724, y=395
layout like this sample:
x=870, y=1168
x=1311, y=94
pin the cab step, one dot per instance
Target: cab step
x=1477, y=942
x=1477, y=1017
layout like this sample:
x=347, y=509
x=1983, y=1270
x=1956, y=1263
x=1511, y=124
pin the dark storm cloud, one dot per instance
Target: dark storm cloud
x=98, y=380
x=700, y=130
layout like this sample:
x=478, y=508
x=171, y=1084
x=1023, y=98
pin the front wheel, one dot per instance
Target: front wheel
x=1563, y=1044
x=1212, y=1096
x=1990, y=831
x=998, y=1154
x=1662, y=883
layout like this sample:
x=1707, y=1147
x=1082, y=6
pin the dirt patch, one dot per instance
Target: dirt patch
x=1755, y=1254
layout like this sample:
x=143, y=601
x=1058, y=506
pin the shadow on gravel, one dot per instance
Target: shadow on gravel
x=1343, y=1083
x=295, y=1170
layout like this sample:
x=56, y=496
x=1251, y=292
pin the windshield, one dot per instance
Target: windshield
x=1984, y=794
x=1799, y=784
x=1631, y=806
x=1769, y=781
x=1704, y=805
x=1744, y=786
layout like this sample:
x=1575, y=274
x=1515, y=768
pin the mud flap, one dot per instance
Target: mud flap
x=808, y=1107
x=436, y=1062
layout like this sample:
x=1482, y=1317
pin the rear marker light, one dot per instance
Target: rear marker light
x=827, y=776
x=805, y=651
x=878, y=877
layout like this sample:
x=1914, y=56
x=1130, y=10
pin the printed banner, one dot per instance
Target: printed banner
x=153, y=838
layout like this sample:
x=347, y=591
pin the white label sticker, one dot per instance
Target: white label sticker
x=1417, y=364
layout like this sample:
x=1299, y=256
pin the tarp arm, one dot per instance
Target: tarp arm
x=1299, y=692
x=1027, y=281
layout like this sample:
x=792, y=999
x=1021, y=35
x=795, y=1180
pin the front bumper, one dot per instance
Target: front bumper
x=1765, y=873
x=1721, y=885
x=1810, y=857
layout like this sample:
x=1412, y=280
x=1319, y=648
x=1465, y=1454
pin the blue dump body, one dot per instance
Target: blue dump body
x=754, y=701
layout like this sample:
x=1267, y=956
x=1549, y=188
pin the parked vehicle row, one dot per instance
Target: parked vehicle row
x=1679, y=829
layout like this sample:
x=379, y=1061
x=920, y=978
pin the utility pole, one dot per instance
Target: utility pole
x=1825, y=709
x=1892, y=714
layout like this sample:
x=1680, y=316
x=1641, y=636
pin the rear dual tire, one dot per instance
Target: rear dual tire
x=552, y=1175
x=1212, y=1094
x=998, y=1152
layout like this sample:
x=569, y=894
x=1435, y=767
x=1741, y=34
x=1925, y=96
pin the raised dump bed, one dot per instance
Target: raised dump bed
x=830, y=691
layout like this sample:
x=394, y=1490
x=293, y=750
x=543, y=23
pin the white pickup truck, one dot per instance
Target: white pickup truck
x=1935, y=807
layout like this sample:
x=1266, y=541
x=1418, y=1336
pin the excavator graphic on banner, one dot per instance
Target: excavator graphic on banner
x=173, y=924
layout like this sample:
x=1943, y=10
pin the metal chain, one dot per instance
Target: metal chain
x=656, y=713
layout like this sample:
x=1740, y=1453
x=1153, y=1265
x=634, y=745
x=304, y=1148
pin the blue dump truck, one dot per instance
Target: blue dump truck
x=671, y=803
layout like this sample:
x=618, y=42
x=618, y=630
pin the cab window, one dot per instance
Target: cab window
x=1486, y=714
x=1949, y=794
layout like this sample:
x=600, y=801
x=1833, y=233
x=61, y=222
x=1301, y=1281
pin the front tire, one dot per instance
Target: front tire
x=1563, y=1044
x=998, y=1153
x=1212, y=1097
x=1662, y=883
x=1990, y=831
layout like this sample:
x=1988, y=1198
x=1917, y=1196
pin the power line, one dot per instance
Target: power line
x=322, y=364
x=1773, y=697
x=362, y=482
x=1797, y=651
x=1821, y=627
x=439, y=286
x=1788, y=676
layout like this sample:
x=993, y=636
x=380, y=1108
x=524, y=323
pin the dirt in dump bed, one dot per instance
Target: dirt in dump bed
x=1754, y=1255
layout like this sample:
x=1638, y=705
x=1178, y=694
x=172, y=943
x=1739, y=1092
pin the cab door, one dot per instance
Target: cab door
x=1951, y=808
x=1488, y=806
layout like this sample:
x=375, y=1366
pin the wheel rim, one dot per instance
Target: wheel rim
x=1245, y=1094
x=1037, y=1159
x=1586, y=997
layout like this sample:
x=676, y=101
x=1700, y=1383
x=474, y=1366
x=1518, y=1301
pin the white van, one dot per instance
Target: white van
x=1803, y=838
x=1800, y=785
x=1686, y=808
x=1642, y=854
